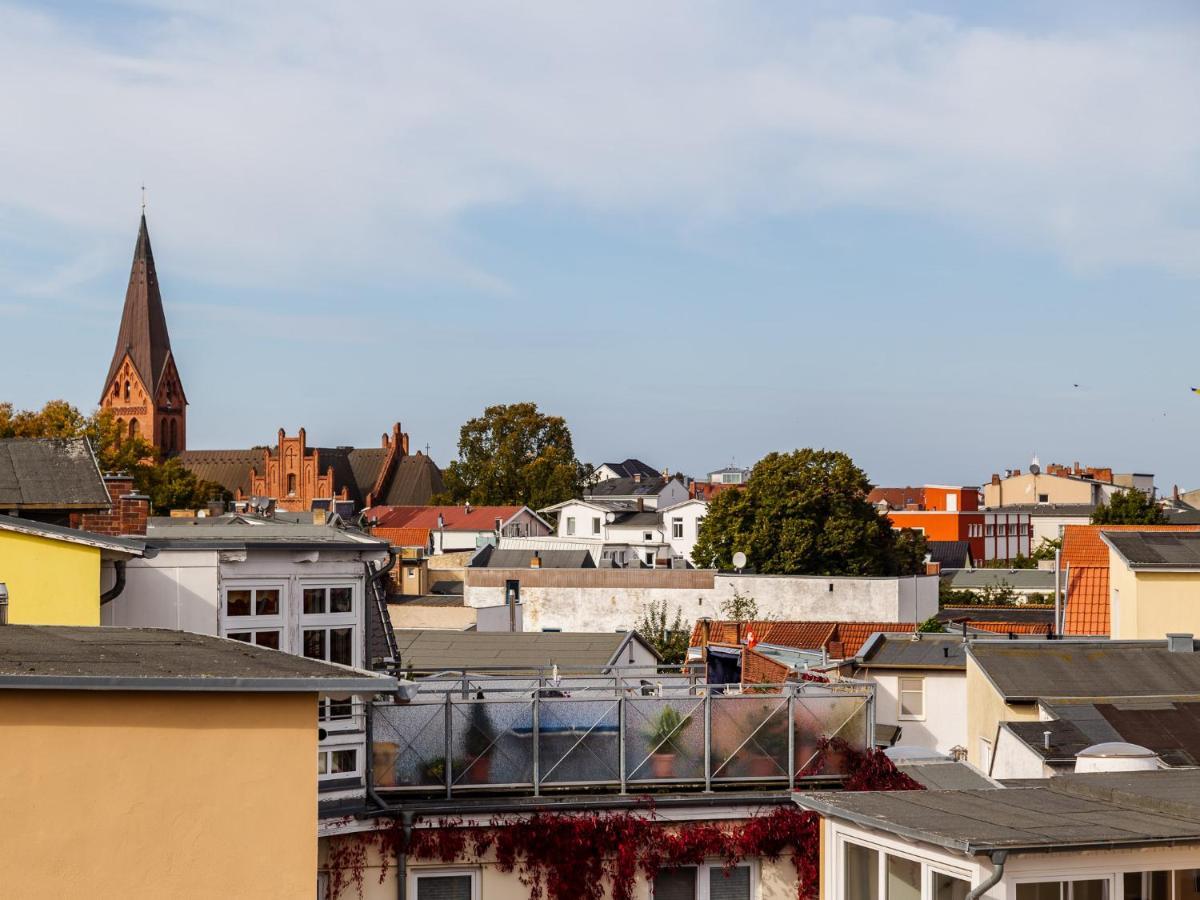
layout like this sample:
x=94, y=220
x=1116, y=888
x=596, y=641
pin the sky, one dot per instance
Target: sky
x=940, y=237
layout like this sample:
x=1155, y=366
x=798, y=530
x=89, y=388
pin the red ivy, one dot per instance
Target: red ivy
x=571, y=857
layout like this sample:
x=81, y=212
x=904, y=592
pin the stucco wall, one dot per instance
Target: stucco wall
x=1149, y=605
x=944, y=724
x=613, y=599
x=986, y=709
x=145, y=795
x=409, y=615
x=50, y=582
x=1014, y=759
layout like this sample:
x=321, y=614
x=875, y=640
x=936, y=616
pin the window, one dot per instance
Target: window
x=321, y=600
x=647, y=537
x=595, y=524
x=126, y=390
x=912, y=698
x=254, y=614
x=1147, y=885
x=265, y=638
x=677, y=527
x=1092, y=889
x=990, y=530
x=1001, y=530
x=328, y=624
x=498, y=524
x=650, y=558
x=947, y=887
x=252, y=602
x=706, y=882
x=445, y=884
x=570, y=524
x=903, y=878
x=860, y=875
x=291, y=484
x=134, y=428
x=1043, y=498
x=337, y=761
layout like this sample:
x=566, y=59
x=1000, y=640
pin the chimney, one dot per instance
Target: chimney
x=995, y=478
x=318, y=517
x=441, y=521
x=1180, y=642
x=1175, y=493
x=1046, y=740
x=933, y=568
x=637, y=477
x=467, y=508
x=705, y=630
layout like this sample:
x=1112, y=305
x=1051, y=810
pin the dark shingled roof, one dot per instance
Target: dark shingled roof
x=62, y=657
x=434, y=651
x=1071, y=811
x=1170, y=728
x=143, y=330
x=626, y=487
x=228, y=468
x=414, y=483
x=946, y=775
x=491, y=558
x=1024, y=671
x=49, y=473
x=932, y=651
x=950, y=554
x=1156, y=549
x=632, y=467
x=647, y=519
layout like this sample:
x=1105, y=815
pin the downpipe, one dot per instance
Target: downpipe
x=406, y=820
x=998, y=858
x=119, y=585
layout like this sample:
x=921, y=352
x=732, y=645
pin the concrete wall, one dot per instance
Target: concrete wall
x=148, y=795
x=1027, y=488
x=613, y=599
x=178, y=589
x=944, y=724
x=50, y=582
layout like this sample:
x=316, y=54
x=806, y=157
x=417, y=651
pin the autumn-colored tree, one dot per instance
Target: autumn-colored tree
x=806, y=513
x=514, y=455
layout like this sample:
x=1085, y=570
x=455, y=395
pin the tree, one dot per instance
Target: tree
x=931, y=626
x=669, y=636
x=1046, y=549
x=514, y=455
x=806, y=513
x=166, y=482
x=739, y=608
x=1129, y=507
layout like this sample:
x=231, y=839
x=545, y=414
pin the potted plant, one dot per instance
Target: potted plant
x=478, y=743
x=435, y=771
x=770, y=746
x=666, y=726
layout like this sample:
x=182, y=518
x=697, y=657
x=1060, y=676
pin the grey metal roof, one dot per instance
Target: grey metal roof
x=946, y=775
x=1017, y=579
x=38, y=473
x=1072, y=811
x=122, y=545
x=434, y=651
x=950, y=554
x=1156, y=549
x=932, y=651
x=226, y=535
x=1023, y=671
x=648, y=519
x=79, y=658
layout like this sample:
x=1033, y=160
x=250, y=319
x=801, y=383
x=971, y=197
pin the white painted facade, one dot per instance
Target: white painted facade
x=1013, y=758
x=574, y=600
x=671, y=534
x=681, y=524
x=942, y=720
x=524, y=523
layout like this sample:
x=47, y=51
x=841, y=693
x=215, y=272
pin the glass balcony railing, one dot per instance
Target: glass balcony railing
x=529, y=735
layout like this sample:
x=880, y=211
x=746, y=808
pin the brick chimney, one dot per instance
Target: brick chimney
x=128, y=512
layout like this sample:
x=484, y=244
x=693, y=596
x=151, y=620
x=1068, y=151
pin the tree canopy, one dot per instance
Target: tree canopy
x=514, y=455
x=1129, y=507
x=165, y=481
x=806, y=513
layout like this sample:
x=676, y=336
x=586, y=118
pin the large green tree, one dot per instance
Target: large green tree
x=165, y=481
x=806, y=513
x=514, y=454
x=1129, y=507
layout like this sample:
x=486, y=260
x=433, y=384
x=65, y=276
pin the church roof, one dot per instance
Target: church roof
x=228, y=468
x=143, y=331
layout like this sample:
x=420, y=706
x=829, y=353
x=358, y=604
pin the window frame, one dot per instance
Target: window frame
x=901, y=715
x=415, y=873
x=883, y=849
x=716, y=863
x=329, y=621
x=677, y=527
x=1109, y=878
x=253, y=622
x=570, y=525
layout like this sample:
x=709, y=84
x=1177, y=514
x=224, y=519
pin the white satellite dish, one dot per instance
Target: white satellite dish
x=739, y=560
x=610, y=517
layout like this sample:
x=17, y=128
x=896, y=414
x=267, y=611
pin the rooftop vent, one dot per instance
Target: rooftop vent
x=1180, y=643
x=1115, y=756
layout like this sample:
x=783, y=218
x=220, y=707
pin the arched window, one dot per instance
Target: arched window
x=134, y=428
x=175, y=435
x=126, y=389
x=116, y=390
x=291, y=482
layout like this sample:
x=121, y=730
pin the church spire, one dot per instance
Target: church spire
x=143, y=332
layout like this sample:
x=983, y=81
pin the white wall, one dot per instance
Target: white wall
x=692, y=513
x=944, y=725
x=616, y=607
x=1051, y=527
x=1012, y=758
x=177, y=589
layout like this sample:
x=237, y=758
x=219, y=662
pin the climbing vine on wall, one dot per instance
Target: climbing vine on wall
x=574, y=856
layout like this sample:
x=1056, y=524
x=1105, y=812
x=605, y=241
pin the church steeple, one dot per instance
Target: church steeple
x=142, y=387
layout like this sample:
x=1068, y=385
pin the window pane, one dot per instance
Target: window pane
x=314, y=644
x=343, y=761
x=340, y=709
x=862, y=873
x=947, y=887
x=675, y=884
x=1092, y=890
x=1148, y=886
x=266, y=602
x=903, y=879
x=322, y=762
x=341, y=646
x=341, y=599
x=911, y=704
x=267, y=639
x=444, y=887
x=1187, y=884
x=735, y=886
x=314, y=601
x=239, y=636
x=237, y=603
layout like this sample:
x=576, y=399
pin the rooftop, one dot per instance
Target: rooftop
x=631, y=467
x=1017, y=579
x=1156, y=549
x=494, y=558
x=626, y=487
x=1071, y=811
x=121, y=546
x=43, y=473
x=157, y=659
x=841, y=639
x=479, y=651
x=453, y=518
x=232, y=534
x=945, y=775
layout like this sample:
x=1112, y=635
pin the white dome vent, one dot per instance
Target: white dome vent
x=1116, y=756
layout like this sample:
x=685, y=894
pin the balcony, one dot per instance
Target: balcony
x=617, y=732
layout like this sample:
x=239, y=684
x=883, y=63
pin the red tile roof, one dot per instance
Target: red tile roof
x=760, y=669
x=1012, y=627
x=454, y=518
x=1082, y=545
x=403, y=537
x=852, y=635
x=897, y=497
x=841, y=639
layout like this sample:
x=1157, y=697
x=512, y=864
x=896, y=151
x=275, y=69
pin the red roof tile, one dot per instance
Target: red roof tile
x=1087, y=601
x=403, y=537
x=454, y=518
x=852, y=635
x=1012, y=627
x=841, y=639
x=1082, y=545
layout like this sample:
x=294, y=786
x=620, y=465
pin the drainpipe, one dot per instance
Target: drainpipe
x=406, y=819
x=998, y=857
x=115, y=591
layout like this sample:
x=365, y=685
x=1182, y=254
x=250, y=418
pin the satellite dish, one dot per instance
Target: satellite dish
x=1034, y=469
x=739, y=560
x=610, y=517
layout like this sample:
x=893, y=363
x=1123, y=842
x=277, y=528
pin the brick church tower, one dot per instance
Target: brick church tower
x=143, y=388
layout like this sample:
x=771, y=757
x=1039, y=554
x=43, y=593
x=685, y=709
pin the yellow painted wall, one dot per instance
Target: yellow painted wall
x=986, y=709
x=777, y=880
x=150, y=795
x=453, y=618
x=50, y=582
x=1149, y=605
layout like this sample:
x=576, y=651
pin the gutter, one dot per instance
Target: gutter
x=119, y=585
x=998, y=857
x=199, y=684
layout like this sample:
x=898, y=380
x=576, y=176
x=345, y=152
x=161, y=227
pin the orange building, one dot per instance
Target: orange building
x=952, y=513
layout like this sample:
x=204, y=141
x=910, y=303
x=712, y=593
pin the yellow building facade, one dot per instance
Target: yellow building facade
x=986, y=709
x=1148, y=605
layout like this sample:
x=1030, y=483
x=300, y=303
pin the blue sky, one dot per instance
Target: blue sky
x=698, y=231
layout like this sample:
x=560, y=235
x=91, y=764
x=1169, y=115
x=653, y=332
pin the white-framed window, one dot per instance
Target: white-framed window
x=647, y=537
x=570, y=524
x=881, y=873
x=677, y=527
x=912, y=698
x=948, y=886
x=329, y=622
x=650, y=558
x=1079, y=889
x=595, y=524
x=443, y=884
x=709, y=881
x=991, y=529
x=254, y=613
x=335, y=761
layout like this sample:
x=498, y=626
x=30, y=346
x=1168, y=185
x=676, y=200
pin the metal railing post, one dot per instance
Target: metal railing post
x=537, y=740
x=621, y=739
x=791, y=715
x=448, y=762
x=708, y=743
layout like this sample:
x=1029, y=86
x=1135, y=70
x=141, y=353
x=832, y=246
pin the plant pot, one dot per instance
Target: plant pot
x=662, y=765
x=383, y=763
x=479, y=771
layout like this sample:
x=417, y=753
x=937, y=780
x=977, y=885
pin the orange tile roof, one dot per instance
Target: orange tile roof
x=801, y=635
x=1087, y=601
x=852, y=635
x=1012, y=627
x=454, y=518
x=760, y=669
x=403, y=537
x=1082, y=545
